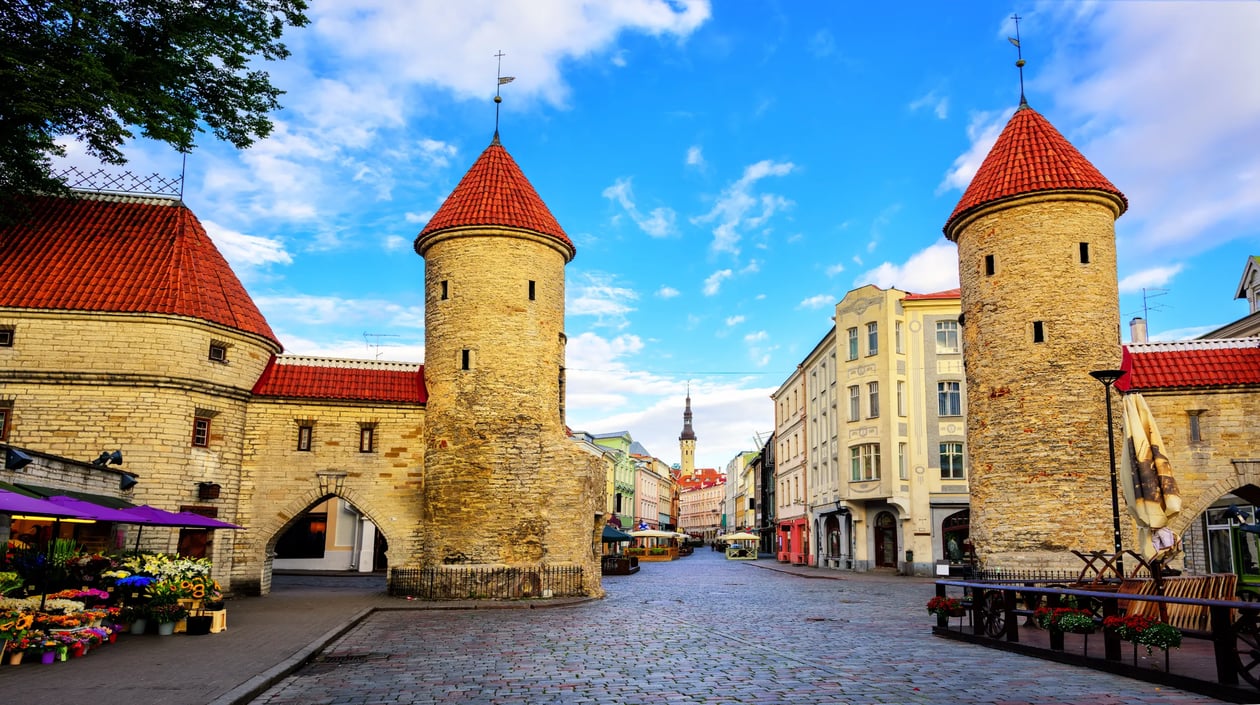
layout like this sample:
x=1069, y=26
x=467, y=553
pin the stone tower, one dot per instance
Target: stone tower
x=687, y=441
x=504, y=488
x=1035, y=231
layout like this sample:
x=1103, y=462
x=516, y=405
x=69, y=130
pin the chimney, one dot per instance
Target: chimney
x=1137, y=330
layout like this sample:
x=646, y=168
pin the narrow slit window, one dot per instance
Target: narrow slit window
x=1196, y=431
x=989, y=265
x=1084, y=253
x=6, y=412
x=304, y=437
x=531, y=289
x=445, y=290
x=367, y=439
x=465, y=362
x=1039, y=332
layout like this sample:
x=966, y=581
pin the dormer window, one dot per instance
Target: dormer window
x=218, y=351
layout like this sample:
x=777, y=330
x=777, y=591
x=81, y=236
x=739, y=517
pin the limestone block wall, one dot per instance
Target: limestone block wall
x=1225, y=459
x=1036, y=424
x=279, y=482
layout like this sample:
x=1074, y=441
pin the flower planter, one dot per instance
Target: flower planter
x=138, y=626
x=15, y=658
x=48, y=657
x=166, y=628
x=198, y=626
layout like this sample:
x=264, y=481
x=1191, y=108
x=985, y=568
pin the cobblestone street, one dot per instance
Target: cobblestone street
x=698, y=630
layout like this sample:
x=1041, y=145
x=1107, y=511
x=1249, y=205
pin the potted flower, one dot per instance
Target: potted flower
x=1065, y=619
x=1159, y=635
x=16, y=649
x=14, y=625
x=945, y=606
x=166, y=614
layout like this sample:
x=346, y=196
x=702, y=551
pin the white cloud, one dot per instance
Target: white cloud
x=740, y=208
x=667, y=292
x=421, y=217
x=596, y=294
x=927, y=271
x=1182, y=333
x=713, y=283
x=387, y=349
x=1149, y=278
x=835, y=269
x=758, y=352
x=937, y=104
x=246, y=252
x=983, y=131
x=816, y=302
x=822, y=43
x=734, y=320
x=394, y=243
x=658, y=223
x=695, y=157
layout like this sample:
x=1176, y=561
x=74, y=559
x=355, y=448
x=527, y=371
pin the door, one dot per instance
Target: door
x=885, y=540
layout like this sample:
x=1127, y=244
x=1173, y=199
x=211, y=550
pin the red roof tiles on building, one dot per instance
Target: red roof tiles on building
x=1195, y=363
x=947, y=294
x=121, y=254
x=342, y=380
x=1030, y=156
x=496, y=192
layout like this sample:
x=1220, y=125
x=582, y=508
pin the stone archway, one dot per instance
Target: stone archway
x=253, y=568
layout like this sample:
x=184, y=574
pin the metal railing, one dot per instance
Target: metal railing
x=481, y=583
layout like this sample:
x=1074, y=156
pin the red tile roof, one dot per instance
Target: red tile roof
x=947, y=294
x=495, y=192
x=1030, y=156
x=1194, y=363
x=121, y=254
x=342, y=380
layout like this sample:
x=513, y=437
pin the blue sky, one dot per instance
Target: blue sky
x=727, y=171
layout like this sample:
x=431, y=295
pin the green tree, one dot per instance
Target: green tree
x=93, y=70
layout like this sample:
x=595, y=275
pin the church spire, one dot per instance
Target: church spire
x=687, y=433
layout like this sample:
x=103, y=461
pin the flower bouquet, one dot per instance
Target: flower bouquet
x=167, y=612
x=945, y=606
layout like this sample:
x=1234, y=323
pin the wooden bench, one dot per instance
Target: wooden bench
x=1214, y=586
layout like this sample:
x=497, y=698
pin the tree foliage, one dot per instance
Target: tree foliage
x=93, y=70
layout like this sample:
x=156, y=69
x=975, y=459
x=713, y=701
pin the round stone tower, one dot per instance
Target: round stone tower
x=1037, y=267
x=503, y=485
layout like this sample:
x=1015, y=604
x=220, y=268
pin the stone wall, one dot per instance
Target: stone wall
x=1036, y=425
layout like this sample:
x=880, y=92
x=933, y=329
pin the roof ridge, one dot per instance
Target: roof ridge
x=1178, y=345
x=347, y=363
x=145, y=199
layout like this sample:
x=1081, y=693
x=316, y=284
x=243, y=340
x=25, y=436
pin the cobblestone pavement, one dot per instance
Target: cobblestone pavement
x=698, y=630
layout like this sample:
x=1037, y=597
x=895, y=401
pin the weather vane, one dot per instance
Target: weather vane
x=502, y=81
x=1019, y=63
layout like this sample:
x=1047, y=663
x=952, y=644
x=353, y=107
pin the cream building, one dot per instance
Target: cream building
x=791, y=439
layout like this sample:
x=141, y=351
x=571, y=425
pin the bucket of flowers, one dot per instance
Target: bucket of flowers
x=1151, y=633
x=945, y=606
x=166, y=614
x=1065, y=619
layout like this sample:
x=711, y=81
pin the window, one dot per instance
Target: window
x=5, y=412
x=989, y=266
x=531, y=289
x=304, y=437
x=947, y=336
x=897, y=345
x=201, y=432
x=465, y=359
x=952, y=461
x=949, y=398
x=864, y=462
x=1039, y=332
x=872, y=338
x=903, y=472
x=1084, y=253
x=6, y=336
x=901, y=398
x=872, y=394
x=218, y=352
x=367, y=438
x=855, y=403
x=445, y=290
x=1196, y=431
x=853, y=344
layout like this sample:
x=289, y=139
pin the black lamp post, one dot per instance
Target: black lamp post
x=1108, y=378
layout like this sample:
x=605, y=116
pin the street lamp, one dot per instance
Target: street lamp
x=1108, y=378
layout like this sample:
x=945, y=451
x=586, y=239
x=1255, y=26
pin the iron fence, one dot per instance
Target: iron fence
x=455, y=582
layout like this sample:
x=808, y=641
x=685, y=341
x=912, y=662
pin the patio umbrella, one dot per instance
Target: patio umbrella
x=14, y=503
x=197, y=521
x=612, y=535
x=1150, y=490
x=95, y=511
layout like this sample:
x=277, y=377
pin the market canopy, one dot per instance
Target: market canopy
x=14, y=503
x=653, y=533
x=741, y=536
x=198, y=521
x=96, y=511
x=160, y=517
x=614, y=535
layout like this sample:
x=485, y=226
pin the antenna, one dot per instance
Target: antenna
x=1019, y=63
x=376, y=347
x=1147, y=306
x=503, y=80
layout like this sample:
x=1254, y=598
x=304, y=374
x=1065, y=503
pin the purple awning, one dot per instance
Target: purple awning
x=14, y=503
x=203, y=522
x=95, y=511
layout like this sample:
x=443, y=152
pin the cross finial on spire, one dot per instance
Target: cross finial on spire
x=1019, y=63
x=503, y=80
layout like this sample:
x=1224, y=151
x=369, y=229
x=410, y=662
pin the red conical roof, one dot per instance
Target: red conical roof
x=495, y=192
x=1030, y=156
x=121, y=254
